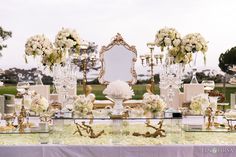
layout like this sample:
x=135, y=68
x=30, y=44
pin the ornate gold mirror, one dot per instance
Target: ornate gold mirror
x=118, y=62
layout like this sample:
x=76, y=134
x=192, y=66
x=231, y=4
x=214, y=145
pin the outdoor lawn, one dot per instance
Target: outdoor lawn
x=139, y=90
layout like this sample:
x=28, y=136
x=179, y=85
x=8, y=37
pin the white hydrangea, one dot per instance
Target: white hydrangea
x=119, y=89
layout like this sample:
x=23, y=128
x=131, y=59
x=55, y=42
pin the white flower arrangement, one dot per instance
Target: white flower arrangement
x=194, y=42
x=38, y=45
x=199, y=103
x=119, y=89
x=39, y=104
x=180, y=56
x=167, y=37
x=153, y=103
x=83, y=105
x=67, y=39
x=55, y=57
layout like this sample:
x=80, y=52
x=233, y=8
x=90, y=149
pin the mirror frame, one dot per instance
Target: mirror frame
x=118, y=40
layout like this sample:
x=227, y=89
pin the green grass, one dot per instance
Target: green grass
x=139, y=90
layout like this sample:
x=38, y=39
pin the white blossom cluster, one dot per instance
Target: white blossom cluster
x=167, y=37
x=67, y=38
x=83, y=104
x=180, y=56
x=57, y=56
x=153, y=103
x=194, y=42
x=38, y=45
x=39, y=104
x=180, y=48
x=199, y=103
x=119, y=89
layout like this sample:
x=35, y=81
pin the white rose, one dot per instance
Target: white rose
x=176, y=42
x=167, y=42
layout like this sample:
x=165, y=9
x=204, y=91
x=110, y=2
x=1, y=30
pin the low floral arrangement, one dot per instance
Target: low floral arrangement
x=167, y=37
x=67, y=39
x=39, y=104
x=199, y=103
x=38, y=45
x=153, y=103
x=83, y=105
x=119, y=89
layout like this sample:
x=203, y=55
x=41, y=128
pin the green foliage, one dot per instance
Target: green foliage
x=227, y=59
x=4, y=35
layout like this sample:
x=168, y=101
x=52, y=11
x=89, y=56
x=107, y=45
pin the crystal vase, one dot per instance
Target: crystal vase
x=194, y=69
x=118, y=106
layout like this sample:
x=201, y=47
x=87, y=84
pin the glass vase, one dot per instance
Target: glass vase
x=194, y=70
x=118, y=106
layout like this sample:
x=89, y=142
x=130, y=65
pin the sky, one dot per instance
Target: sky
x=99, y=20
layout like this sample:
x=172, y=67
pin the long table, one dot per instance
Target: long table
x=118, y=151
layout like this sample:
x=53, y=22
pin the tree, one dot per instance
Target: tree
x=4, y=35
x=227, y=60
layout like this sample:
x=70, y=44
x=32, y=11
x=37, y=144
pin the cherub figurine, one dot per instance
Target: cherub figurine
x=88, y=94
x=208, y=113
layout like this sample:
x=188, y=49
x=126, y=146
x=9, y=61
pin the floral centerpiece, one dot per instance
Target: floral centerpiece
x=194, y=42
x=67, y=39
x=55, y=57
x=38, y=45
x=118, y=91
x=39, y=104
x=153, y=103
x=199, y=103
x=167, y=37
x=83, y=105
x=180, y=56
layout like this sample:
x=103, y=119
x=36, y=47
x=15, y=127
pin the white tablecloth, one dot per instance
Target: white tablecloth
x=119, y=151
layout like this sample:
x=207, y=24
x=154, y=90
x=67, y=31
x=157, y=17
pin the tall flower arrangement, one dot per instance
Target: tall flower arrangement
x=38, y=45
x=194, y=42
x=167, y=37
x=181, y=49
x=67, y=39
x=180, y=56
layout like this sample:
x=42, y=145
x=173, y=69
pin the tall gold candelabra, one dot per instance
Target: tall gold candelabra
x=149, y=60
x=88, y=60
